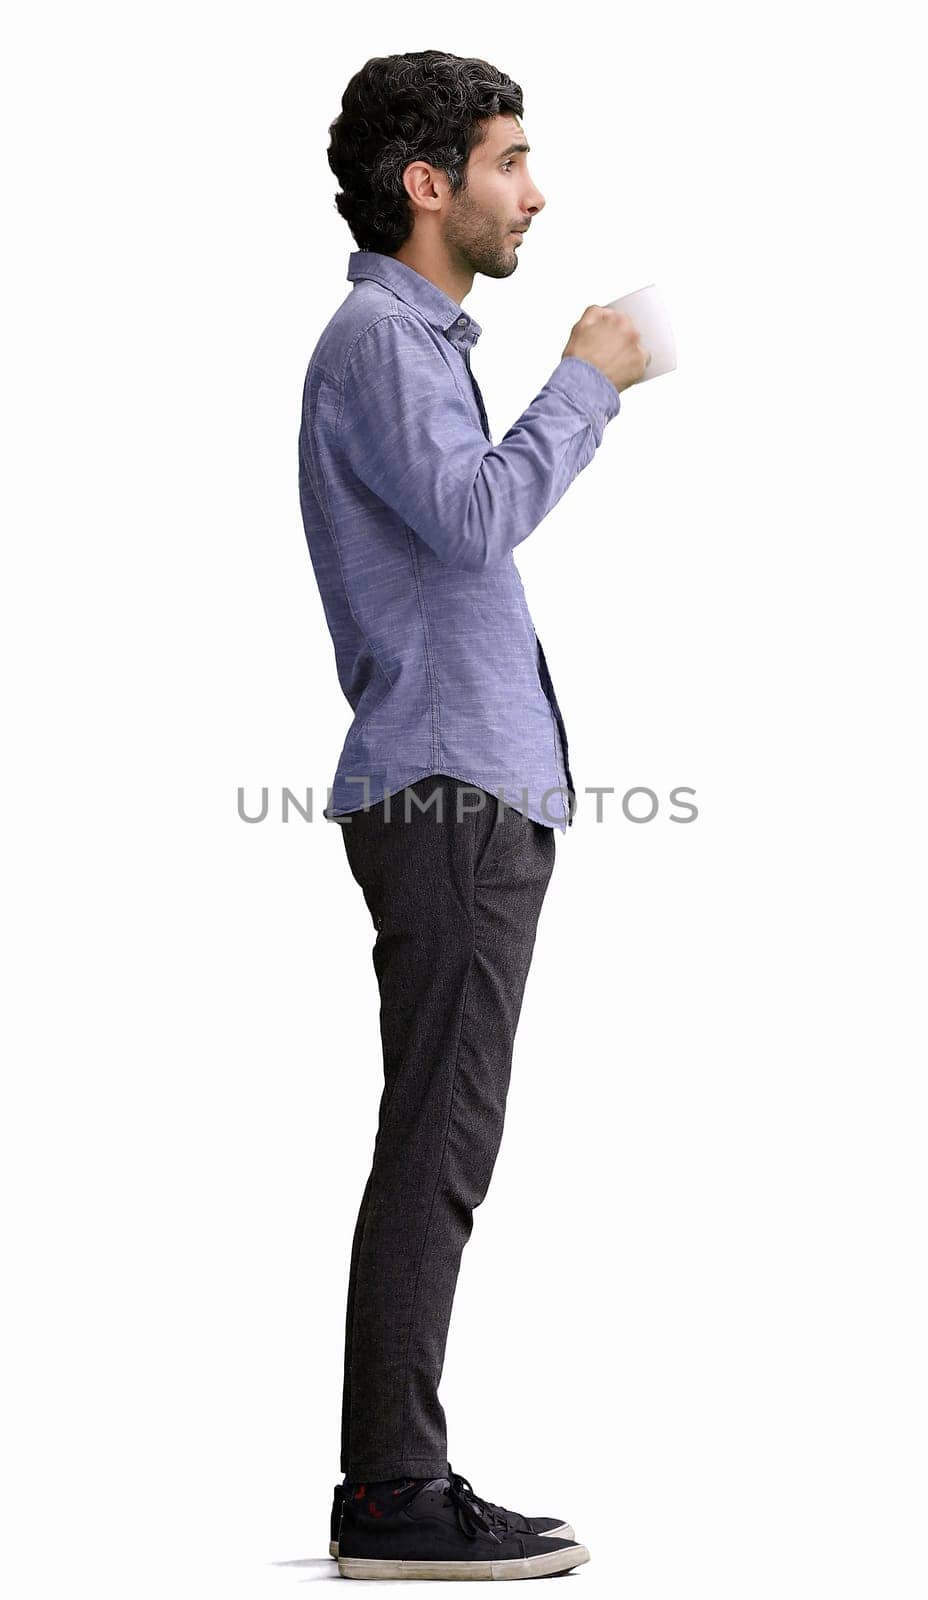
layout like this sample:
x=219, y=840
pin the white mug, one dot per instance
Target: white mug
x=649, y=314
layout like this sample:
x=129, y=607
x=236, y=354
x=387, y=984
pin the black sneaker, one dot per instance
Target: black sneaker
x=501, y=1518
x=338, y=1497
x=438, y=1530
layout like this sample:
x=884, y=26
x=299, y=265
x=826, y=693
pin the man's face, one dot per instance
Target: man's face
x=500, y=197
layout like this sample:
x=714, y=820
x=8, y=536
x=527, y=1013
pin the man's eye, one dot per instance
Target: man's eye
x=507, y=163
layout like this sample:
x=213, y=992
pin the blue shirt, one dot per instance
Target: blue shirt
x=411, y=515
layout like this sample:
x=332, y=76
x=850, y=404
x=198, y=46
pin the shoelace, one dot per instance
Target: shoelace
x=473, y=1513
x=488, y=1512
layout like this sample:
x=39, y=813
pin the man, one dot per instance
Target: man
x=454, y=774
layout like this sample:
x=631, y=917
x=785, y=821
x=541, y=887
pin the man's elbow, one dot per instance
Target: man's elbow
x=473, y=548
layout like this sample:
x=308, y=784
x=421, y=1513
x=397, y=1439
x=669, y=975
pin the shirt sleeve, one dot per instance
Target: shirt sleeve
x=407, y=432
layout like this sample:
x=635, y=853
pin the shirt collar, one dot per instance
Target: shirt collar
x=425, y=296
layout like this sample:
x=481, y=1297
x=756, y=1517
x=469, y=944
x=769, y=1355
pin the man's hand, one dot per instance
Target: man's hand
x=609, y=340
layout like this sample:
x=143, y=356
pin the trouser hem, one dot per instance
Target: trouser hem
x=411, y=1467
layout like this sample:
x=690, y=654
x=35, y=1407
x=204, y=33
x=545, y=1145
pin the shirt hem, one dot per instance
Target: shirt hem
x=415, y=773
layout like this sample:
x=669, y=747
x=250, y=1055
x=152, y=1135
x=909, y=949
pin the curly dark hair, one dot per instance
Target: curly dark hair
x=425, y=105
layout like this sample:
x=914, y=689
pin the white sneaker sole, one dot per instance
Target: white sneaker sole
x=565, y=1531
x=527, y=1567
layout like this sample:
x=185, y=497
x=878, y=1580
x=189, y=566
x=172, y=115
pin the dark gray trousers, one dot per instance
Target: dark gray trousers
x=455, y=894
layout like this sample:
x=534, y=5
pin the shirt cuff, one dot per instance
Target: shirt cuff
x=596, y=394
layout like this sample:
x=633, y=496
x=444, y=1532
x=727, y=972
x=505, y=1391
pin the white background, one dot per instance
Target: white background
x=692, y=1315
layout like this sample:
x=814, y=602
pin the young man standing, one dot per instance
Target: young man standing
x=454, y=774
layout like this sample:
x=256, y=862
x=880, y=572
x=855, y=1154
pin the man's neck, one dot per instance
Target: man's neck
x=434, y=265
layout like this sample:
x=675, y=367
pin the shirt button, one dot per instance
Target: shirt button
x=461, y=321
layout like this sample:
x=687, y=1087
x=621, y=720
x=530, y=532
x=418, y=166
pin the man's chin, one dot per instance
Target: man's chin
x=501, y=267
